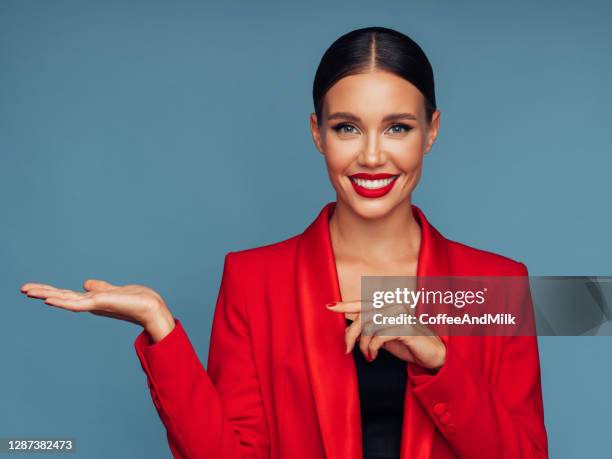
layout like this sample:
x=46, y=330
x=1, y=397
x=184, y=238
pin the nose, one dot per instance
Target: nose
x=371, y=155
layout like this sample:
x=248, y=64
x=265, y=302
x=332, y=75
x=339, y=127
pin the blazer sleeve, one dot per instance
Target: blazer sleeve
x=480, y=419
x=215, y=413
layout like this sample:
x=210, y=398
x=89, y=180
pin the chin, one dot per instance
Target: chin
x=372, y=209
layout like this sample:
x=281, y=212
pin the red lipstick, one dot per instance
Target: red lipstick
x=372, y=185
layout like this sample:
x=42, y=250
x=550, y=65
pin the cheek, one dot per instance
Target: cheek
x=339, y=155
x=407, y=154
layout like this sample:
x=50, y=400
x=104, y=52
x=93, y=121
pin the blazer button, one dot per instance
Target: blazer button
x=439, y=408
x=445, y=418
x=451, y=429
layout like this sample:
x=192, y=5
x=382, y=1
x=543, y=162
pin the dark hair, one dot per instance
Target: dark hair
x=372, y=48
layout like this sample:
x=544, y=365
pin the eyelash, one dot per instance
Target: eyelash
x=338, y=128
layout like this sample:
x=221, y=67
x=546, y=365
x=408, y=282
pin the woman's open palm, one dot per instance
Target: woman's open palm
x=132, y=303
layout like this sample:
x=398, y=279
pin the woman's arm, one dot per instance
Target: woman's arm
x=216, y=413
x=484, y=420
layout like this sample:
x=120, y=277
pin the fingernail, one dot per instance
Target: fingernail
x=331, y=305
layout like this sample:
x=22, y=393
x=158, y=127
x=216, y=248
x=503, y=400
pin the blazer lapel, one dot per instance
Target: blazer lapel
x=333, y=375
x=418, y=429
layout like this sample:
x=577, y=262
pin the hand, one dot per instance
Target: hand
x=411, y=343
x=133, y=303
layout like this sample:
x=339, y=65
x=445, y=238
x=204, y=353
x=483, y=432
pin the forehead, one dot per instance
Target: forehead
x=375, y=93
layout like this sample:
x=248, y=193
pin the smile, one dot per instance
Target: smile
x=372, y=185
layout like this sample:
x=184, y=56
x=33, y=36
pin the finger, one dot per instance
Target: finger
x=377, y=342
x=384, y=315
x=351, y=315
x=372, y=324
x=395, y=309
x=352, y=333
x=41, y=292
x=390, y=311
x=347, y=306
x=47, y=292
x=369, y=330
x=369, y=327
x=29, y=285
x=76, y=305
x=97, y=285
x=364, y=343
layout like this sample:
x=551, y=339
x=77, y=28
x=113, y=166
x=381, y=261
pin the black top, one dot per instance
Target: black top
x=382, y=386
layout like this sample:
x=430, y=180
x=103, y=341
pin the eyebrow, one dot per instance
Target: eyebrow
x=392, y=116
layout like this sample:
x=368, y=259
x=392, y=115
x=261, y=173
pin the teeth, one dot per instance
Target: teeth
x=373, y=184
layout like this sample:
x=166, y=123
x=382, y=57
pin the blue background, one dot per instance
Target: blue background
x=141, y=141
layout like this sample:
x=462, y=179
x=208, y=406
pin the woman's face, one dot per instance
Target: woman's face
x=374, y=123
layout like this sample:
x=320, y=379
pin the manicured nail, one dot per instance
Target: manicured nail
x=331, y=305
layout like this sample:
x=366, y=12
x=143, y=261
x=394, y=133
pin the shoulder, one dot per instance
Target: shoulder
x=265, y=258
x=476, y=261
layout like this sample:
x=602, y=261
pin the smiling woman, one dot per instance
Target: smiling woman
x=376, y=123
x=309, y=384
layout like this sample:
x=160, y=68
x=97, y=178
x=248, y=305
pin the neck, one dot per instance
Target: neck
x=395, y=236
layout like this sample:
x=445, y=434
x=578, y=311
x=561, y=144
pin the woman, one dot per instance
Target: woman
x=280, y=381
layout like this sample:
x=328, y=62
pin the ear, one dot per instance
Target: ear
x=432, y=133
x=314, y=131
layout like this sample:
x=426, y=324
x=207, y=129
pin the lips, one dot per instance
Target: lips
x=372, y=185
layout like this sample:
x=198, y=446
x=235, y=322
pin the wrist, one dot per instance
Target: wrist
x=440, y=361
x=159, y=323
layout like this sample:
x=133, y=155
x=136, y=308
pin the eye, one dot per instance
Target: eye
x=345, y=128
x=399, y=128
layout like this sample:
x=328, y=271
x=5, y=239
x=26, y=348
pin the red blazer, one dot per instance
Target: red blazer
x=279, y=385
